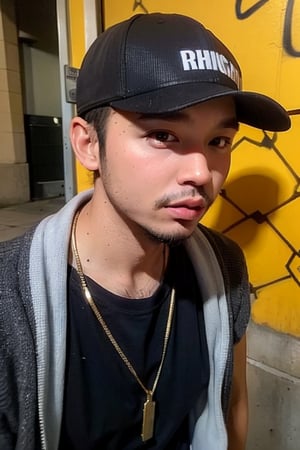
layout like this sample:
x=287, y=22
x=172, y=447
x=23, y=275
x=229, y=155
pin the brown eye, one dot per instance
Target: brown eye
x=163, y=136
x=221, y=142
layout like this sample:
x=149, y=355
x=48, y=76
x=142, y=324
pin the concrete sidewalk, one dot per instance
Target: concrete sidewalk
x=15, y=220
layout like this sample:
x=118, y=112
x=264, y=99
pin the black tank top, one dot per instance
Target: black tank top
x=103, y=402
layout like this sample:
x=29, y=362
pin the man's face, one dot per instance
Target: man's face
x=160, y=174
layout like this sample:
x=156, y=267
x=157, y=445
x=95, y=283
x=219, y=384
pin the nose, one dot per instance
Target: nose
x=194, y=169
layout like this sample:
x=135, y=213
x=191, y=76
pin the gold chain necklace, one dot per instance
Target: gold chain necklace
x=149, y=405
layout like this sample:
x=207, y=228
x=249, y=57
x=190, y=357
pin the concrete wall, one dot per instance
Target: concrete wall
x=29, y=83
x=14, y=182
x=274, y=389
x=41, y=82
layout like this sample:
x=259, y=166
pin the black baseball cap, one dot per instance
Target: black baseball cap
x=158, y=63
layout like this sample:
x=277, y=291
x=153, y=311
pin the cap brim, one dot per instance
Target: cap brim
x=252, y=109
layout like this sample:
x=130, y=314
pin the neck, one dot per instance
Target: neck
x=118, y=261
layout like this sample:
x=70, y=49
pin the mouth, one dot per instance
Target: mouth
x=189, y=209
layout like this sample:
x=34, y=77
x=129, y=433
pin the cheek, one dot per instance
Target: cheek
x=131, y=160
x=226, y=165
x=127, y=172
x=221, y=171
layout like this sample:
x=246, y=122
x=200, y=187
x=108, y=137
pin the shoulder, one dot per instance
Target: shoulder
x=14, y=263
x=229, y=254
x=221, y=242
x=235, y=274
x=17, y=350
x=16, y=315
x=10, y=250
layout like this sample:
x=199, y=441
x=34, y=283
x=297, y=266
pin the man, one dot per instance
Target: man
x=122, y=321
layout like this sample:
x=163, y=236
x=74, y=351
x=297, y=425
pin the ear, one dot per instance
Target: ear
x=85, y=143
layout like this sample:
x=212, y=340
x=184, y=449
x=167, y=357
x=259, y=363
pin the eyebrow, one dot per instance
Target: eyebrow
x=228, y=122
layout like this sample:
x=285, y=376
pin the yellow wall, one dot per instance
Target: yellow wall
x=260, y=205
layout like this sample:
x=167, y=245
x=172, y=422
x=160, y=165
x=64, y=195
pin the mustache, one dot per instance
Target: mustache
x=191, y=192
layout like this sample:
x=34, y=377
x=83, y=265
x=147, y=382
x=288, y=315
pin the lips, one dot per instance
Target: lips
x=188, y=209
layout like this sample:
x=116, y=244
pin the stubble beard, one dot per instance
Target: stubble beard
x=170, y=239
x=160, y=238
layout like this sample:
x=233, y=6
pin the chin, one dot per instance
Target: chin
x=171, y=238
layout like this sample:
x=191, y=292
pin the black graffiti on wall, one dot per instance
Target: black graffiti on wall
x=248, y=12
x=287, y=31
x=139, y=3
x=287, y=40
x=264, y=214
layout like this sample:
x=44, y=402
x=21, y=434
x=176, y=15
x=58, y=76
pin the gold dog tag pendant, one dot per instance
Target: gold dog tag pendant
x=148, y=418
